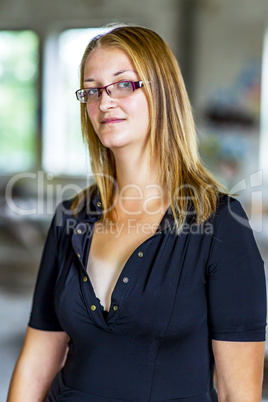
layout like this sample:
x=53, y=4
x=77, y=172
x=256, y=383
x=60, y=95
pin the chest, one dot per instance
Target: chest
x=163, y=276
x=110, y=249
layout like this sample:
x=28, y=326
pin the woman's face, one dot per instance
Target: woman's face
x=118, y=122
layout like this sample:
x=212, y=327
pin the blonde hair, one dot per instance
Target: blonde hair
x=172, y=137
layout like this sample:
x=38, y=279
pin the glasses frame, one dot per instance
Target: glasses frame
x=135, y=85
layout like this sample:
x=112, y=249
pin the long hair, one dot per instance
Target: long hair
x=172, y=137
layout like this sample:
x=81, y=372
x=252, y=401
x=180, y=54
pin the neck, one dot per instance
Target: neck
x=138, y=188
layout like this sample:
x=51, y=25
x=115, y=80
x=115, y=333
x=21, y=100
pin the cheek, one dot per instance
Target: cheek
x=92, y=111
x=140, y=109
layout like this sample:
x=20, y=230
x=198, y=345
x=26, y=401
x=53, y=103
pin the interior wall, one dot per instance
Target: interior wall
x=43, y=16
x=228, y=53
x=230, y=34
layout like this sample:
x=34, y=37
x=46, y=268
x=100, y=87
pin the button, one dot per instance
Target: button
x=85, y=279
x=115, y=308
x=125, y=279
x=93, y=307
x=99, y=204
x=78, y=255
x=140, y=254
x=79, y=231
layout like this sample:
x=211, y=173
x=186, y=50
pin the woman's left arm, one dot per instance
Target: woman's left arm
x=239, y=370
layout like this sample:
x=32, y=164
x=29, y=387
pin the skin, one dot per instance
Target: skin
x=42, y=356
x=239, y=369
x=122, y=125
x=127, y=134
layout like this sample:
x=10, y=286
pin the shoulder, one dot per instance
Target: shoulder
x=232, y=233
x=226, y=201
x=230, y=212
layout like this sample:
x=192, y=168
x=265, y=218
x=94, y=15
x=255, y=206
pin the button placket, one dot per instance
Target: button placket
x=78, y=244
x=92, y=306
x=120, y=292
x=125, y=283
x=77, y=239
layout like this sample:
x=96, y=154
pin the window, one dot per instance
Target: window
x=18, y=100
x=64, y=152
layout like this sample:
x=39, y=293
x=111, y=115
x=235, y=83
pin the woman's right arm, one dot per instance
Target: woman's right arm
x=42, y=356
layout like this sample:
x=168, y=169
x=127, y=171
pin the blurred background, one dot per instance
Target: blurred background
x=222, y=49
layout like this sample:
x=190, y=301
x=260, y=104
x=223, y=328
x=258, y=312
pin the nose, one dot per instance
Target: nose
x=105, y=101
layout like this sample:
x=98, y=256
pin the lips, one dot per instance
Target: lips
x=112, y=120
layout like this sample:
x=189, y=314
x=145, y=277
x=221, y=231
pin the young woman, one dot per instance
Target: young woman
x=152, y=275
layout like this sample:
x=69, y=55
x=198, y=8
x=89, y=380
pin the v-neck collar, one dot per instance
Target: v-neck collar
x=81, y=241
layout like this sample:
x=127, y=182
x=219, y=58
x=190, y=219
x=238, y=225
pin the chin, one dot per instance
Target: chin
x=113, y=143
x=113, y=147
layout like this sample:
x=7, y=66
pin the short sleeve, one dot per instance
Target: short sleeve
x=43, y=315
x=235, y=279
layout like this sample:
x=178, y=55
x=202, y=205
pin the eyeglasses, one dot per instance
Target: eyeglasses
x=117, y=90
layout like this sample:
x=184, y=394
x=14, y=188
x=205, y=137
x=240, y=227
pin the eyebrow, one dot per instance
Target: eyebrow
x=114, y=75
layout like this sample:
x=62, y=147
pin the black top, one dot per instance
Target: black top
x=174, y=295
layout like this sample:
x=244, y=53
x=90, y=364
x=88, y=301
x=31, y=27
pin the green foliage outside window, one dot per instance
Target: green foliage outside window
x=18, y=100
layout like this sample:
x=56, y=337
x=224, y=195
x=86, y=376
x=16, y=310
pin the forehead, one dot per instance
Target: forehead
x=109, y=60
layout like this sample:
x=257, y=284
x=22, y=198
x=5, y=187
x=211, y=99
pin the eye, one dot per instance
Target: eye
x=124, y=84
x=92, y=92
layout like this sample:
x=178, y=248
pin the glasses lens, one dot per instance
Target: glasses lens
x=81, y=95
x=120, y=89
x=87, y=95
